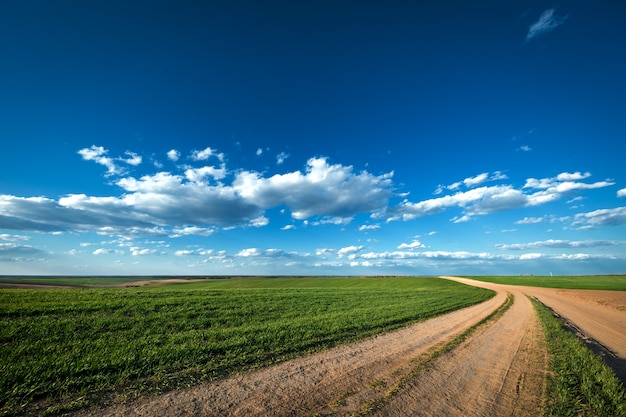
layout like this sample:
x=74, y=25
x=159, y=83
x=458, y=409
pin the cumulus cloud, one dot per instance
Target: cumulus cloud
x=603, y=217
x=194, y=252
x=560, y=244
x=416, y=244
x=323, y=190
x=100, y=156
x=13, y=252
x=493, y=199
x=13, y=238
x=281, y=157
x=548, y=21
x=365, y=227
x=199, y=175
x=107, y=251
x=203, y=155
x=479, y=201
x=531, y=220
x=137, y=251
x=471, y=182
x=621, y=193
x=192, y=230
x=200, y=198
x=349, y=252
x=173, y=155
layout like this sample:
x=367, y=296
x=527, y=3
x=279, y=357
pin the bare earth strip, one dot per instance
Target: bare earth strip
x=498, y=371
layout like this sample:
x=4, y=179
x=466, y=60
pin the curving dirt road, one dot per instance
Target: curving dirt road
x=499, y=370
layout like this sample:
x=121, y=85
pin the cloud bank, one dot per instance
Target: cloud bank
x=199, y=199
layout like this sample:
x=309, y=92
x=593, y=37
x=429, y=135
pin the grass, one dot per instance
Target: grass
x=583, y=282
x=580, y=384
x=66, y=349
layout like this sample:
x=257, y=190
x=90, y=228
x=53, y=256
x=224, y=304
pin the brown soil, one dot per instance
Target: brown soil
x=497, y=371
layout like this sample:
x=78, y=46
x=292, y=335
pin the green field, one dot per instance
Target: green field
x=582, y=282
x=70, y=348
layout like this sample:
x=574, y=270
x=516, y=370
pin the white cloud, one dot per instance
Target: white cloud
x=603, y=217
x=193, y=230
x=349, y=251
x=530, y=256
x=259, y=152
x=281, y=157
x=200, y=174
x=205, y=154
x=165, y=203
x=531, y=220
x=525, y=148
x=246, y=253
x=324, y=190
x=133, y=160
x=365, y=227
x=106, y=251
x=99, y=155
x=576, y=176
x=621, y=193
x=474, y=181
x=547, y=22
x=259, y=221
x=137, y=251
x=173, y=155
x=493, y=199
x=552, y=243
x=478, y=201
x=13, y=252
x=288, y=227
x=195, y=252
x=416, y=244
x=13, y=238
x=471, y=182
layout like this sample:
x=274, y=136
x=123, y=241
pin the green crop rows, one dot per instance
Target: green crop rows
x=586, y=282
x=70, y=348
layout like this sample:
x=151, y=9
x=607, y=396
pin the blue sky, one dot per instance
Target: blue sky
x=348, y=138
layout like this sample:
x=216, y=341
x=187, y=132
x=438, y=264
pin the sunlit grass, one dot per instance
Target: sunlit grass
x=68, y=348
x=583, y=282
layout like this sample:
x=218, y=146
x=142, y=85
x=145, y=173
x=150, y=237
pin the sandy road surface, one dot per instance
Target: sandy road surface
x=600, y=315
x=498, y=371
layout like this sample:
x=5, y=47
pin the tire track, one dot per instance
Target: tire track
x=498, y=371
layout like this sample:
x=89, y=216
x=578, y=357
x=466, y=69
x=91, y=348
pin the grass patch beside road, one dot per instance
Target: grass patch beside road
x=70, y=348
x=582, y=282
x=580, y=384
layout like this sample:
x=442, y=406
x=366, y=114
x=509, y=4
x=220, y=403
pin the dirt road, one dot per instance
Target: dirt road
x=498, y=371
x=600, y=316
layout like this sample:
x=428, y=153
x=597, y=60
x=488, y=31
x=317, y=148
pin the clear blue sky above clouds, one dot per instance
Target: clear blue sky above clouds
x=330, y=137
